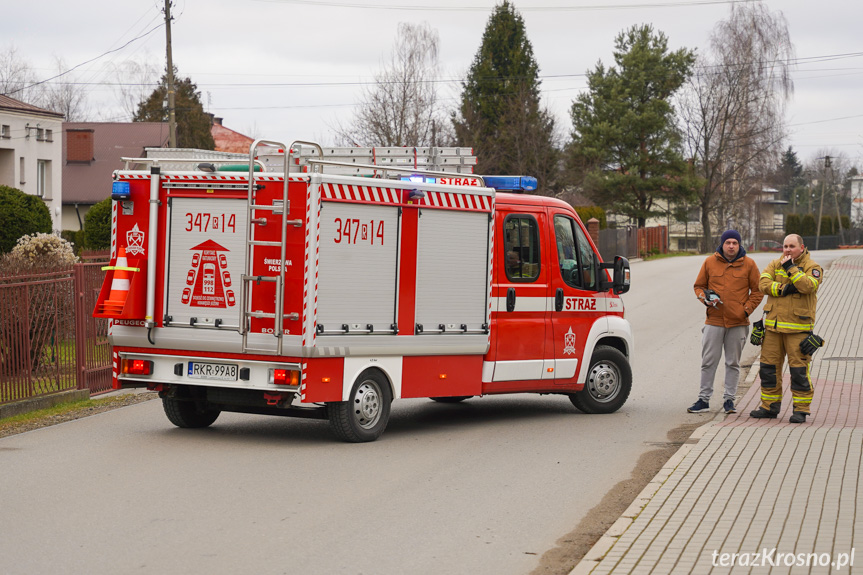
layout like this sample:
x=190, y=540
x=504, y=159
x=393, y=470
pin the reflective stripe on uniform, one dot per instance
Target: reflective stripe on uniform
x=771, y=398
x=814, y=281
x=802, y=399
x=797, y=276
x=782, y=273
x=788, y=325
x=767, y=275
x=775, y=288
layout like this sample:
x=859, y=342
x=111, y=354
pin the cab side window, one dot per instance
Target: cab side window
x=574, y=254
x=521, y=248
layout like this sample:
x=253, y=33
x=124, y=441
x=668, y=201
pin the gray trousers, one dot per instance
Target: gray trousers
x=715, y=339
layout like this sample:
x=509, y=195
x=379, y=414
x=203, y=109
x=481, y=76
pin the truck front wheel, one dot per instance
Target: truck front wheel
x=188, y=413
x=609, y=381
x=364, y=416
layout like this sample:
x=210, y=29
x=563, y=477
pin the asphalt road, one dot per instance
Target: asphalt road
x=486, y=486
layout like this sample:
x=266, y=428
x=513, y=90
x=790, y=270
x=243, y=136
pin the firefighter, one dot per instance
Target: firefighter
x=791, y=284
x=727, y=285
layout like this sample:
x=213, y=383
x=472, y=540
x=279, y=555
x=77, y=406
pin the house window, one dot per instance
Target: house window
x=49, y=135
x=40, y=135
x=21, y=164
x=5, y=131
x=43, y=179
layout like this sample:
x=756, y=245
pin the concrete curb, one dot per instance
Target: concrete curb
x=596, y=553
x=42, y=402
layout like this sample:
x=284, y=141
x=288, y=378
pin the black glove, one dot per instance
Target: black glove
x=757, y=336
x=787, y=265
x=711, y=298
x=788, y=289
x=811, y=344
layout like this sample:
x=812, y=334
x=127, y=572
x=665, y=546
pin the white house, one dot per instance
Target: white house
x=31, y=152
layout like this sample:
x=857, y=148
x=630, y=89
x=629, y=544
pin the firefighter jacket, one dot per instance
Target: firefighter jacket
x=791, y=313
x=736, y=282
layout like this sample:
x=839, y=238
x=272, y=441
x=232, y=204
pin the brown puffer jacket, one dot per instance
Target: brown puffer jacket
x=737, y=285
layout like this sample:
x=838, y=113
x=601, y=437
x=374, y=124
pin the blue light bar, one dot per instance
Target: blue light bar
x=511, y=183
x=120, y=191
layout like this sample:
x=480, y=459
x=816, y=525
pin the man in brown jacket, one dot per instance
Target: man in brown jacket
x=728, y=286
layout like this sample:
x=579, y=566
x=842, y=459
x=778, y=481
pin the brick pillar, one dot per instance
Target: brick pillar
x=593, y=230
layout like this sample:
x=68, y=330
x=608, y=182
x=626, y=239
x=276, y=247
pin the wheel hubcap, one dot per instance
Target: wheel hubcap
x=367, y=404
x=604, y=382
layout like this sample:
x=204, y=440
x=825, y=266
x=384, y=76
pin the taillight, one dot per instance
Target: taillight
x=284, y=377
x=137, y=367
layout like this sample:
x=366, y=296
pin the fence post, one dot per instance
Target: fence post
x=593, y=230
x=80, y=328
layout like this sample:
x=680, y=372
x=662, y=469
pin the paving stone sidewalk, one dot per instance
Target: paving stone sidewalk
x=748, y=486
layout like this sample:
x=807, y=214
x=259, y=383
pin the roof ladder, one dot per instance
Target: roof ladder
x=278, y=316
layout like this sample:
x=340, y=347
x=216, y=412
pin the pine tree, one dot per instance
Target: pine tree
x=500, y=115
x=624, y=130
x=193, y=124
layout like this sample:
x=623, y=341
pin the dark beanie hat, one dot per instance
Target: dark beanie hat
x=729, y=235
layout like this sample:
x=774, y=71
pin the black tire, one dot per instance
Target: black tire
x=452, y=399
x=364, y=416
x=609, y=381
x=188, y=414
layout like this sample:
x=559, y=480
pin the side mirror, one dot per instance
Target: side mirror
x=621, y=275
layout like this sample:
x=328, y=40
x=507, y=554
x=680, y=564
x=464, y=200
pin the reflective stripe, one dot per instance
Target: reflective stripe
x=802, y=399
x=787, y=325
x=782, y=273
x=797, y=276
x=769, y=397
x=814, y=281
x=774, y=289
x=767, y=275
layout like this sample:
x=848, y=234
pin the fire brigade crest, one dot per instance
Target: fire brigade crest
x=134, y=241
x=569, y=343
x=208, y=278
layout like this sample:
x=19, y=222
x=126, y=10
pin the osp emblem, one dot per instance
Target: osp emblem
x=569, y=343
x=135, y=241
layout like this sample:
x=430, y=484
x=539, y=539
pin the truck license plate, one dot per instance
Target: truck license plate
x=222, y=371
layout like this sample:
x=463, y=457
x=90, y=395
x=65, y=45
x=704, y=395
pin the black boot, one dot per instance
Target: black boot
x=762, y=413
x=798, y=417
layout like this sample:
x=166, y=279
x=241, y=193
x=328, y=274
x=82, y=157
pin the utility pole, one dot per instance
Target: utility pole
x=172, y=118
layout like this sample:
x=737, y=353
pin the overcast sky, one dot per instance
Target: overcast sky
x=292, y=69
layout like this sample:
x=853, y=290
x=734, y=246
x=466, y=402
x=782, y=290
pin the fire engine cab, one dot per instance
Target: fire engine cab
x=324, y=283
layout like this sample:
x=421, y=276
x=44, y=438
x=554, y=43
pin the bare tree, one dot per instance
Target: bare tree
x=17, y=77
x=135, y=83
x=733, y=112
x=401, y=107
x=64, y=96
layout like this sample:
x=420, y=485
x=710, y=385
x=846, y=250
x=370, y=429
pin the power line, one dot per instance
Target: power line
x=88, y=61
x=431, y=8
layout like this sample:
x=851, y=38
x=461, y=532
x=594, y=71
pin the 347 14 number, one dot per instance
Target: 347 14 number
x=354, y=231
x=202, y=222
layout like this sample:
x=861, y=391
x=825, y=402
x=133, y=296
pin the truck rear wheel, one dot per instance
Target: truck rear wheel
x=609, y=381
x=364, y=416
x=188, y=414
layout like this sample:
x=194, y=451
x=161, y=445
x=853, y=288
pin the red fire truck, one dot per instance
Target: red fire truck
x=325, y=283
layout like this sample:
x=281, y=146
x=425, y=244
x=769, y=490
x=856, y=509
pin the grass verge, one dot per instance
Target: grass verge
x=68, y=411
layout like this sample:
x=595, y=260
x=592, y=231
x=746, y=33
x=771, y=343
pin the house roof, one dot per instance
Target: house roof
x=13, y=105
x=227, y=140
x=89, y=183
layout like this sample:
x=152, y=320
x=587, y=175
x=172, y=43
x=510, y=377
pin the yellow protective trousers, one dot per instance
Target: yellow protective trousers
x=773, y=351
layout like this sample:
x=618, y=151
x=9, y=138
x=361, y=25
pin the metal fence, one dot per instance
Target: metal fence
x=618, y=242
x=632, y=242
x=48, y=341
